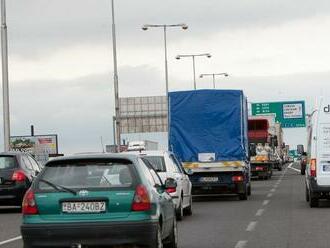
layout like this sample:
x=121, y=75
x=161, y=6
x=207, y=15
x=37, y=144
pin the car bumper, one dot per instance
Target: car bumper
x=89, y=234
x=232, y=188
x=317, y=189
x=12, y=195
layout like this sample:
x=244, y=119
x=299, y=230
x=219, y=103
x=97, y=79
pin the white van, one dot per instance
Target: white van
x=318, y=162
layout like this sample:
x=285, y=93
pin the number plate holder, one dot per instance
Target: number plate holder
x=82, y=207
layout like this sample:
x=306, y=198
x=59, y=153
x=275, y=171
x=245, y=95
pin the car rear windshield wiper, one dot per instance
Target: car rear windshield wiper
x=58, y=187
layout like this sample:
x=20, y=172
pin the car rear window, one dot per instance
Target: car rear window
x=91, y=175
x=157, y=162
x=7, y=162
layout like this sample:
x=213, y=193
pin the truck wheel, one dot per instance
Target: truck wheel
x=249, y=190
x=280, y=168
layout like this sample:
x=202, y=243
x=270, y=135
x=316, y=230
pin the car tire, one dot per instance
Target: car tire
x=243, y=196
x=158, y=242
x=307, y=194
x=279, y=168
x=188, y=210
x=249, y=190
x=179, y=211
x=172, y=240
x=313, y=201
x=302, y=171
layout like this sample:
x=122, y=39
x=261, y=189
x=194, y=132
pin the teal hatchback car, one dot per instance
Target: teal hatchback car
x=99, y=200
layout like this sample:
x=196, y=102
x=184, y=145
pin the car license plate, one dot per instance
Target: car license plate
x=209, y=179
x=326, y=168
x=83, y=207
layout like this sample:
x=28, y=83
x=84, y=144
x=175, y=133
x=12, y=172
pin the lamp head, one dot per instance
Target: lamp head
x=209, y=55
x=145, y=27
x=226, y=74
x=177, y=57
x=184, y=26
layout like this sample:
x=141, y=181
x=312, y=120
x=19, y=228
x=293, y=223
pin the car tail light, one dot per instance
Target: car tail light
x=313, y=167
x=18, y=176
x=239, y=178
x=171, y=190
x=29, y=205
x=141, y=201
x=259, y=168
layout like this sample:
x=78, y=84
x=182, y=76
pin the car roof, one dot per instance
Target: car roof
x=13, y=153
x=149, y=153
x=131, y=157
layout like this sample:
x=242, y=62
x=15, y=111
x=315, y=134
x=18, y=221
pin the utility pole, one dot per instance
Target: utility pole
x=115, y=77
x=5, y=87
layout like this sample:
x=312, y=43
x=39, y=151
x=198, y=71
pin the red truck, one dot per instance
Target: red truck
x=262, y=148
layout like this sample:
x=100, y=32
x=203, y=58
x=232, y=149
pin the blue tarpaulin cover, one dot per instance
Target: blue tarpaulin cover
x=208, y=121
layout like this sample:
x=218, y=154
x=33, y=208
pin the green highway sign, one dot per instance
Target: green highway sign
x=290, y=114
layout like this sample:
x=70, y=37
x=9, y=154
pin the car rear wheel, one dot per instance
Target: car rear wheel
x=307, y=194
x=158, y=241
x=188, y=210
x=313, y=201
x=172, y=240
x=243, y=196
x=249, y=189
x=179, y=211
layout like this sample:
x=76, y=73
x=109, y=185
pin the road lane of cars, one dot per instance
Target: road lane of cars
x=213, y=222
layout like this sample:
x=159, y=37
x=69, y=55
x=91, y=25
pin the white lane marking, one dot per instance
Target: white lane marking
x=241, y=244
x=10, y=240
x=275, y=186
x=266, y=202
x=290, y=167
x=252, y=225
x=273, y=190
x=270, y=195
x=260, y=212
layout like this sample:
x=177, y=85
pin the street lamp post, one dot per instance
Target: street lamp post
x=115, y=78
x=193, y=60
x=213, y=76
x=165, y=27
x=5, y=87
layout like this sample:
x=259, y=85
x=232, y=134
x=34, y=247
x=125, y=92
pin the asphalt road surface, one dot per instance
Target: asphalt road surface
x=276, y=215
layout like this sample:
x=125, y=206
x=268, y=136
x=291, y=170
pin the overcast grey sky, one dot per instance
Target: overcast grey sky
x=61, y=57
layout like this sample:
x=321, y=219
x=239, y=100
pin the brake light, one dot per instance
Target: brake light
x=313, y=167
x=29, y=205
x=259, y=168
x=239, y=178
x=141, y=201
x=18, y=176
x=171, y=190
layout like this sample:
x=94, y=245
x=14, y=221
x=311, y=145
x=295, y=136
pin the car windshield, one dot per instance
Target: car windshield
x=157, y=162
x=7, y=162
x=87, y=175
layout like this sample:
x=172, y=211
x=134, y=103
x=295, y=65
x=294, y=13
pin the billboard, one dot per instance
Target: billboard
x=143, y=114
x=35, y=144
x=290, y=114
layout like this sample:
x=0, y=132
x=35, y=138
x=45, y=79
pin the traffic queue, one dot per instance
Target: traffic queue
x=136, y=197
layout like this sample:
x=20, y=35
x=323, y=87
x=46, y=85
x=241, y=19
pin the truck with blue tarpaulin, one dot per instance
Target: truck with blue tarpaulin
x=208, y=133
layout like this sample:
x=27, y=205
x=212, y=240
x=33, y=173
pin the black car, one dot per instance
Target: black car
x=17, y=170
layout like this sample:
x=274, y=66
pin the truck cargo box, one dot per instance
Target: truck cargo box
x=208, y=125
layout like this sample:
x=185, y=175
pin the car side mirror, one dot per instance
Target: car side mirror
x=170, y=185
x=189, y=172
